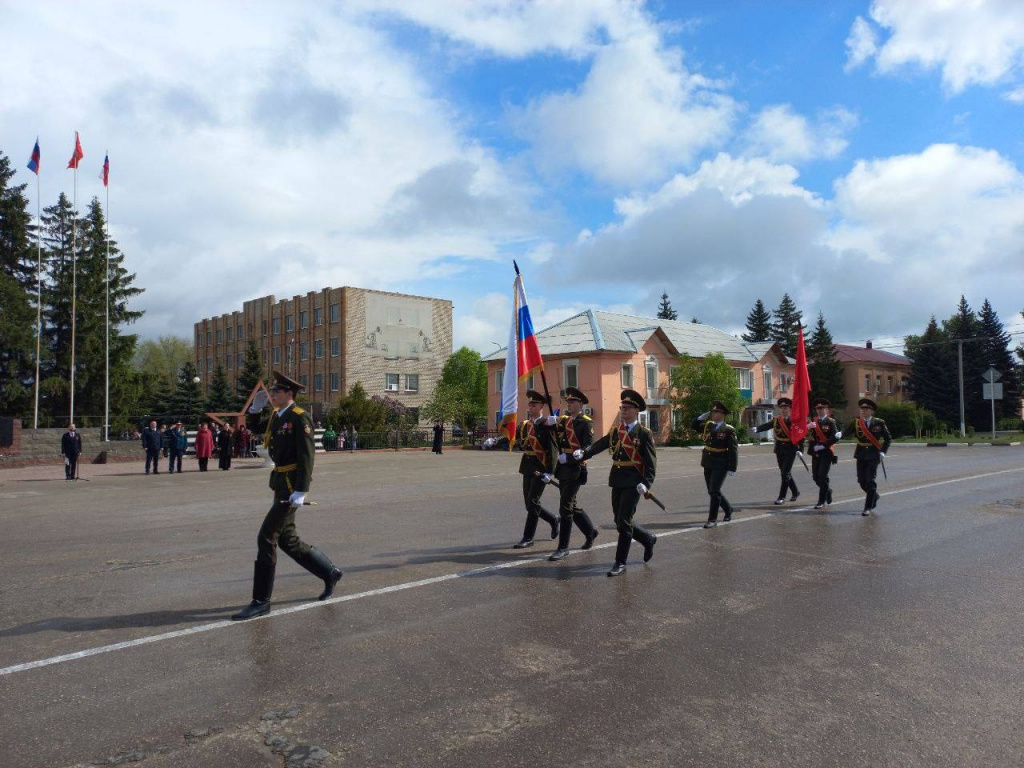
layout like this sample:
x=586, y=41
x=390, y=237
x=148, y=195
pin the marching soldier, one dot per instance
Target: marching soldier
x=785, y=449
x=822, y=434
x=289, y=442
x=873, y=441
x=720, y=457
x=574, y=431
x=537, y=440
x=634, y=462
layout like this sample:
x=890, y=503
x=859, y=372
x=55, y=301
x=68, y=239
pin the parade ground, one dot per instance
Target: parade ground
x=788, y=637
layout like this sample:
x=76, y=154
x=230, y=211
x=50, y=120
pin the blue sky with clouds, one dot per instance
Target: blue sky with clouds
x=864, y=156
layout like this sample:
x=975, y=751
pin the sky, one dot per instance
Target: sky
x=865, y=157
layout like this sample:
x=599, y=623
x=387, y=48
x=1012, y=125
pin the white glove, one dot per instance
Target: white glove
x=296, y=499
x=819, y=447
x=546, y=478
x=641, y=488
x=732, y=472
x=799, y=453
x=578, y=454
x=562, y=458
x=704, y=416
x=881, y=454
x=67, y=460
x=839, y=435
x=550, y=420
x=259, y=402
x=752, y=432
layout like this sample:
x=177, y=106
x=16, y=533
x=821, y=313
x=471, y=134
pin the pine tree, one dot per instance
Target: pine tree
x=665, y=311
x=995, y=346
x=823, y=364
x=932, y=382
x=759, y=324
x=187, y=400
x=964, y=326
x=784, y=329
x=251, y=373
x=220, y=399
x=17, y=310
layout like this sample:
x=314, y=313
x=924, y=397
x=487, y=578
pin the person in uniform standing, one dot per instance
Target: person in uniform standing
x=719, y=458
x=536, y=438
x=152, y=441
x=71, y=449
x=289, y=441
x=634, y=461
x=177, y=448
x=574, y=431
x=225, y=444
x=873, y=441
x=822, y=433
x=785, y=449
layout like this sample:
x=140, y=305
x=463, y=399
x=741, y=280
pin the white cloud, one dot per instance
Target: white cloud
x=972, y=43
x=782, y=135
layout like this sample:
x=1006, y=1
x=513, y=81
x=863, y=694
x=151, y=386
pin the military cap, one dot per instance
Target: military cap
x=632, y=397
x=785, y=401
x=822, y=401
x=571, y=393
x=720, y=407
x=867, y=402
x=282, y=382
x=533, y=396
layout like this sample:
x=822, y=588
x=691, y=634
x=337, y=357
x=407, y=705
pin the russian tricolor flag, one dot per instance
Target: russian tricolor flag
x=33, y=162
x=522, y=357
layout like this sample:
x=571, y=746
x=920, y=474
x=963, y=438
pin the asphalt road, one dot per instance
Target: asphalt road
x=786, y=638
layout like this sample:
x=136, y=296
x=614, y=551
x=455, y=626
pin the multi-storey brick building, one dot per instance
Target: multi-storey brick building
x=868, y=372
x=328, y=340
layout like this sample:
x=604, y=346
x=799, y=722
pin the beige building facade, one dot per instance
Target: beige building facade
x=394, y=344
x=874, y=373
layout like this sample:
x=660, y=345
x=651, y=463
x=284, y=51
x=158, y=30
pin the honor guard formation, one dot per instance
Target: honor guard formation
x=556, y=450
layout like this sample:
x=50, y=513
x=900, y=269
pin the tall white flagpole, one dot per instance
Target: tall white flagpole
x=106, y=412
x=74, y=282
x=39, y=294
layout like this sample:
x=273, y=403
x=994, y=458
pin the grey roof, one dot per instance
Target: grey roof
x=594, y=330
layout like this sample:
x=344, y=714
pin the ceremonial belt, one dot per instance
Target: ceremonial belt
x=784, y=429
x=286, y=468
x=821, y=436
x=627, y=446
x=570, y=434
x=862, y=428
x=623, y=464
x=715, y=450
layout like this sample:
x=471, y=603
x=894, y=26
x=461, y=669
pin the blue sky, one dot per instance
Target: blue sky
x=865, y=157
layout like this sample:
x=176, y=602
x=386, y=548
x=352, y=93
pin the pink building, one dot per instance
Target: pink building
x=601, y=353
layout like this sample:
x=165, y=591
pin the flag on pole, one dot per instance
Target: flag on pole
x=33, y=162
x=77, y=155
x=106, y=169
x=522, y=357
x=801, y=393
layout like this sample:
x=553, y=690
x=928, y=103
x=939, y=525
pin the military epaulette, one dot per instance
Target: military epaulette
x=298, y=410
x=586, y=418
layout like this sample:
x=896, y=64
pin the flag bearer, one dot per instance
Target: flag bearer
x=785, y=449
x=574, y=431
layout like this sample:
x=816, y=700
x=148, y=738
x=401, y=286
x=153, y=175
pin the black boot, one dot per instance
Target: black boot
x=552, y=521
x=781, y=498
x=728, y=510
x=647, y=539
x=320, y=565
x=713, y=513
x=262, y=589
x=564, y=532
x=621, y=553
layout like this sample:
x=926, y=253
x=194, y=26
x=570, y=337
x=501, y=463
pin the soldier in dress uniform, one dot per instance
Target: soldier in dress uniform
x=536, y=439
x=574, y=431
x=634, y=462
x=289, y=442
x=785, y=449
x=873, y=441
x=720, y=457
x=822, y=434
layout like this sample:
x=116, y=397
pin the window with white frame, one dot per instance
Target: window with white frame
x=530, y=382
x=888, y=385
x=651, y=370
x=303, y=320
x=318, y=382
x=867, y=383
x=318, y=315
x=227, y=334
x=289, y=323
x=766, y=377
x=878, y=384
x=303, y=350
x=318, y=348
x=391, y=382
x=677, y=418
x=228, y=362
x=744, y=378
x=277, y=355
x=220, y=336
x=627, y=375
x=304, y=380
x=275, y=325
x=335, y=346
x=238, y=332
x=570, y=373
x=783, y=382
x=335, y=382
x=335, y=313
x=412, y=382
x=499, y=377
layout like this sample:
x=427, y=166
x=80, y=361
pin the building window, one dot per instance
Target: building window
x=288, y=353
x=889, y=384
x=207, y=338
x=677, y=419
x=651, y=369
x=238, y=360
x=238, y=332
x=878, y=384
x=199, y=338
x=335, y=313
x=744, y=378
x=318, y=348
x=303, y=320
x=766, y=377
x=263, y=356
x=318, y=382
x=277, y=355
x=275, y=325
x=783, y=382
x=335, y=383
x=251, y=326
x=209, y=365
x=391, y=382
x=228, y=361
x=289, y=323
x=412, y=382
x=655, y=420
x=304, y=380
x=263, y=327
x=318, y=315
x=335, y=346
x=627, y=375
x=220, y=336
x=867, y=383
x=303, y=350
x=530, y=382
x=571, y=374
x=499, y=377
x=228, y=335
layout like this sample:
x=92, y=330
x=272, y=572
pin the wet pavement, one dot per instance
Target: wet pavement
x=787, y=638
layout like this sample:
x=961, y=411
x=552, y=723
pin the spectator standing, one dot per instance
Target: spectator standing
x=165, y=440
x=330, y=439
x=178, y=443
x=224, y=441
x=353, y=438
x=438, y=438
x=204, y=446
x=71, y=449
x=151, y=441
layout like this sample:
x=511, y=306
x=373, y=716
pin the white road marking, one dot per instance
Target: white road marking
x=427, y=582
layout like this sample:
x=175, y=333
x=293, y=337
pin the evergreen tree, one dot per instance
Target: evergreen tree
x=784, y=329
x=251, y=373
x=964, y=326
x=187, y=401
x=823, y=364
x=17, y=309
x=356, y=409
x=759, y=324
x=995, y=346
x=694, y=320
x=665, y=311
x=219, y=398
x=933, y=382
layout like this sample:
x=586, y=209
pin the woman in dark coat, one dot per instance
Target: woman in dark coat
x=438, y=437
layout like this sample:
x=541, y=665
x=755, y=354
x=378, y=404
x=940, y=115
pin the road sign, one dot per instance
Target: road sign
x=991, y=375
x=992, y=391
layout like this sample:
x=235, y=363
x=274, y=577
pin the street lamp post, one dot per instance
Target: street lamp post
x=195, y=380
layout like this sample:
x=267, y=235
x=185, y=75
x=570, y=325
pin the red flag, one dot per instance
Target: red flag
x=801, y=393
x=106, y=170
x=77, y=155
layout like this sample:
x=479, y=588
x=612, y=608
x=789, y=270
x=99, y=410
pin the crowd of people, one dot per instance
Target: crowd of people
x=170, y=443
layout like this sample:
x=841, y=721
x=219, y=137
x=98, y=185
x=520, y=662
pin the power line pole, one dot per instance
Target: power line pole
x=960, y=359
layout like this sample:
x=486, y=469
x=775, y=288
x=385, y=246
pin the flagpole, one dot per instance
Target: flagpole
x=74, y=284
x=106, y=411
x=39, y=295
